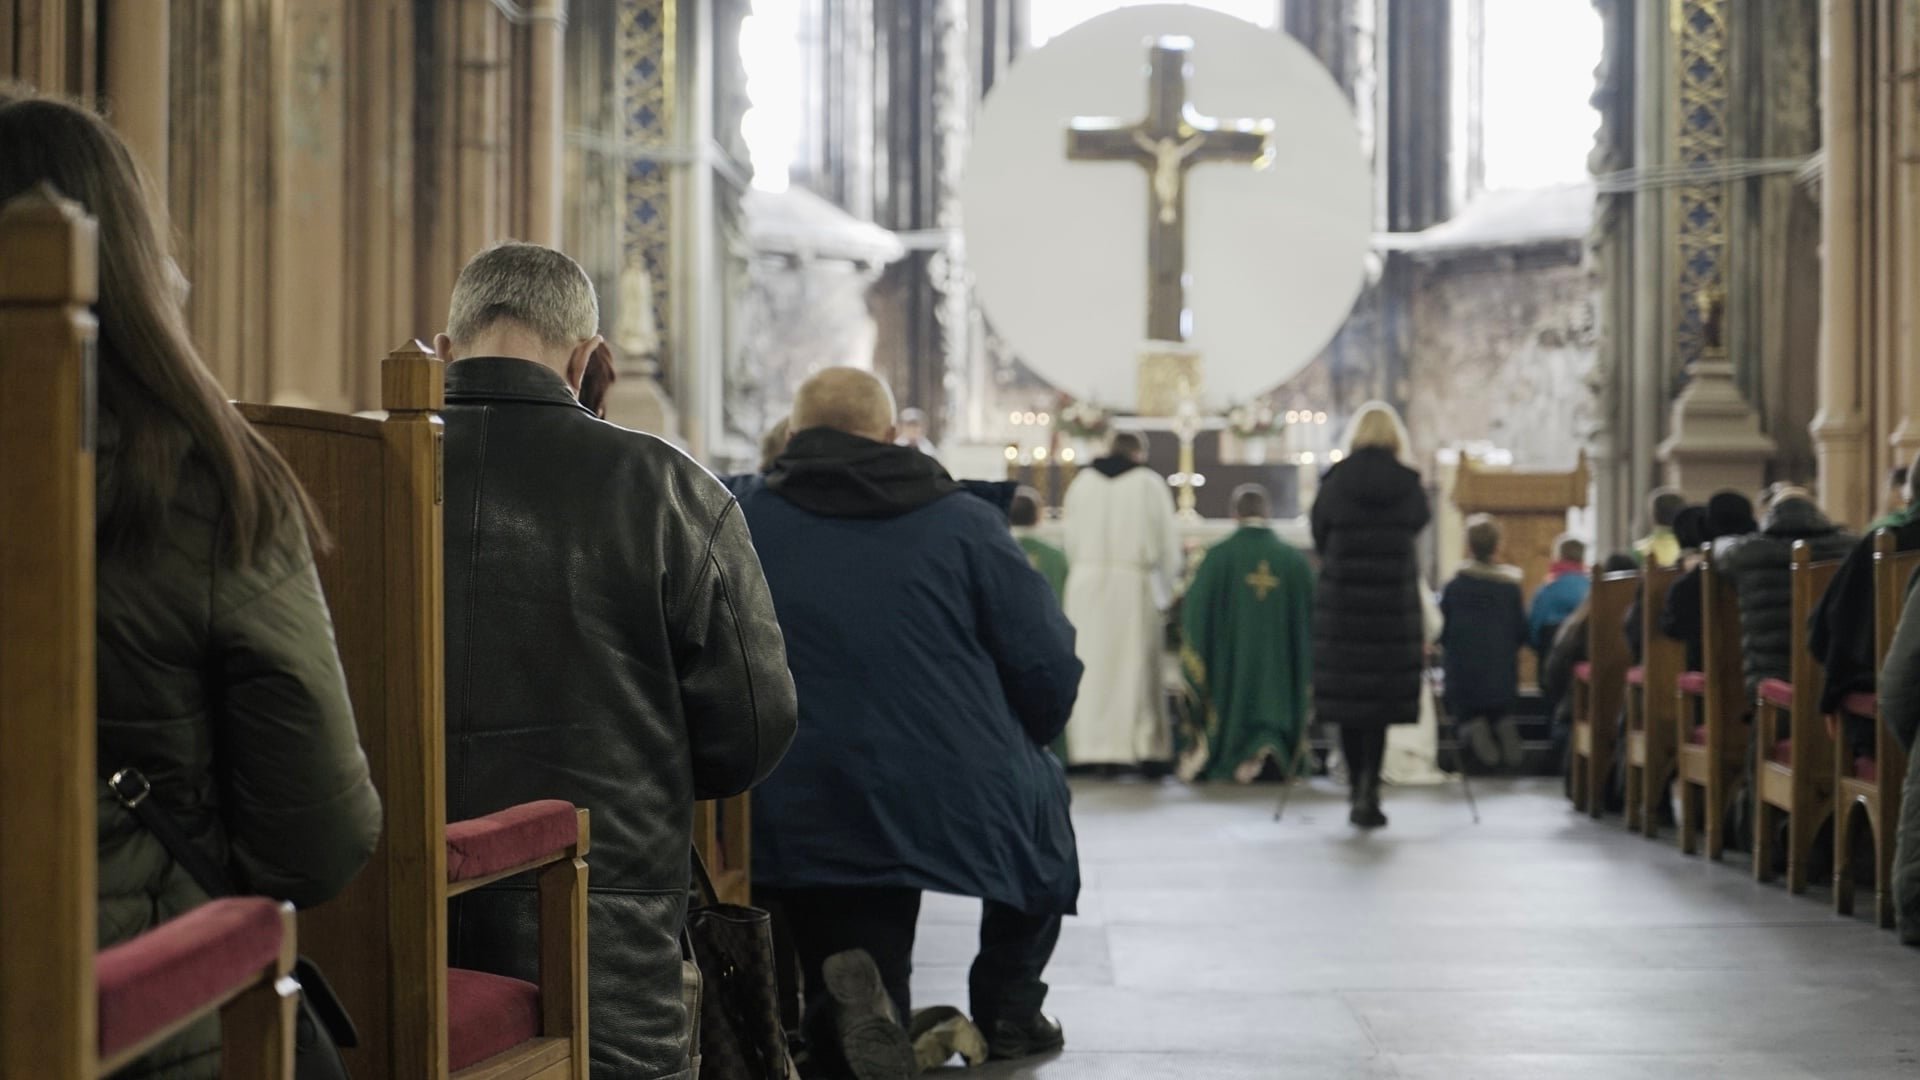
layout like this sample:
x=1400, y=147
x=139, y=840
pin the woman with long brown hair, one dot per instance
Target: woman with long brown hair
x=218, y=678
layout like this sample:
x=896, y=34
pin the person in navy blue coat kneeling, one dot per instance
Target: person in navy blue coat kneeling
x=933, y=667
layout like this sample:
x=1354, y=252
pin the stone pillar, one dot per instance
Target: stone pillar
x=138, y=95
x=546, y=29
x=1840, y=427
x=1902, y=352
x=1612, y=252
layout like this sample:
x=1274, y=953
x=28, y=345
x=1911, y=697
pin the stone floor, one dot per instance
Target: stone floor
x=1214, y=943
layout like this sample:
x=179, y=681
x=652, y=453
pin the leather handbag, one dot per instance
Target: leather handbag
x=322, y=1026
x=737, y=1032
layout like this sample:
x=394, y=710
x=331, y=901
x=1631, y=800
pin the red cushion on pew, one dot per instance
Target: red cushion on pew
x=1583, y=671
x=1777, y=692
x=1865, y=768
x=1861, y=704
x=512, y=837
x=1692, y=682
x=181, y=966
x=1783, y=751
x=1698, y=736
x=1636, y=676
x=488, y=1015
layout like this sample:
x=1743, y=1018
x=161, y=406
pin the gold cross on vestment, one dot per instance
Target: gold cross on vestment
x=1262, y=581
x=1173, y=138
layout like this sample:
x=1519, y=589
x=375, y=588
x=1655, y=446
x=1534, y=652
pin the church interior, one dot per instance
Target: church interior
x=1618, y=293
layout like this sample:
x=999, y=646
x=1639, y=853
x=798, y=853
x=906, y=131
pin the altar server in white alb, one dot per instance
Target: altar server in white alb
x=1125, y=552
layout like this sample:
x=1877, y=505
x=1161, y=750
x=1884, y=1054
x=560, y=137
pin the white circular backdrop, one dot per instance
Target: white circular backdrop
x=1058, y=248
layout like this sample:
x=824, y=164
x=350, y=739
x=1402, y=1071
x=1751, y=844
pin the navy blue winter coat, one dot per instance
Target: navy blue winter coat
x=933, y=667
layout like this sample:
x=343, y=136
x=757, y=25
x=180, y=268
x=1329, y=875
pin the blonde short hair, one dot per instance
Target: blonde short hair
x=1376, y=426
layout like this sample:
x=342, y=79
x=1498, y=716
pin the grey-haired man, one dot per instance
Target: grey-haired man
x=610, y=641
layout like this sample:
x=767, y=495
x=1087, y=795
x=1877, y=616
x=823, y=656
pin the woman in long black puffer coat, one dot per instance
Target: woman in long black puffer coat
x=1368, y=643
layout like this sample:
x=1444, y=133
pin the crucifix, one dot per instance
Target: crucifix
x=1173, y=138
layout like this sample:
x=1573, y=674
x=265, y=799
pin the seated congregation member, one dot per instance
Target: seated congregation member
x=1842, y=630
x=1690, y=530
x=1899, y=507
x=610, y=642
x=1247, y=628
x=1046, y=558
x=597, y=381
x=1569, y=651
x=1485, y=629
x=218, y=678
x=1759, y=566
x=934, y=666
x=1729, y=515
x=1899, y=691
x=1567, y=583
x=1660, y=547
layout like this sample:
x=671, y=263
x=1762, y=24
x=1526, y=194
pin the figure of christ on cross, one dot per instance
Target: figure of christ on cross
x=1173, y=138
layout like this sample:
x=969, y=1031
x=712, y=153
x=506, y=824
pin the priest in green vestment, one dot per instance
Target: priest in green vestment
x=1049, y=560
x=1024, y=514
x=1248, y=650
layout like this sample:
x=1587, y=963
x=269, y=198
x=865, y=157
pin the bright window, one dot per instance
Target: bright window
x=770, y=51
x=1536, y=65
x=1048, y=19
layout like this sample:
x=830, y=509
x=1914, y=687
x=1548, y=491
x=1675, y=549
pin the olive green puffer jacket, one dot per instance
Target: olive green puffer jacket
x=223, y=686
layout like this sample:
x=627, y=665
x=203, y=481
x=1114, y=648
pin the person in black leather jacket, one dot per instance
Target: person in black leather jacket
x=610, y=641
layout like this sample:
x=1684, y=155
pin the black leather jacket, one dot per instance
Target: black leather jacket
x=610, y=641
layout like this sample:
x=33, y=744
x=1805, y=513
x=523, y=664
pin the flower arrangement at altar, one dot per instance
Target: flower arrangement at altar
x=1083, y=419
x=1254, y=420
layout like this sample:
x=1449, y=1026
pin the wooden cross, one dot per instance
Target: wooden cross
x=1173, y=138
x=1262, y=581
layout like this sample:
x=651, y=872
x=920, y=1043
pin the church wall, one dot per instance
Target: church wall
x=329, y=164
x=1502, y=346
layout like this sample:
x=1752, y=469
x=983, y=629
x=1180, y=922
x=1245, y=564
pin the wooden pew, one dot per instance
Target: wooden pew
x=1793, y=776
x=1871, y=788
x=1650, y=706
x=65, y=1012
x=1710, y=719
x=1599, y=687
x=383, y=942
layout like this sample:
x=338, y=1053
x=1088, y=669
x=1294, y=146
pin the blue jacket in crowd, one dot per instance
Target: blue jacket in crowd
x=1555, y=602
x=933, y=667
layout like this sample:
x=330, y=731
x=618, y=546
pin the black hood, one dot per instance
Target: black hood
x=1114, y=465
x=1375, y=477
x=834, y=474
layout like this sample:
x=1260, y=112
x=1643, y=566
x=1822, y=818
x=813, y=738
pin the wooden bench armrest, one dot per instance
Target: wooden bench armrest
x=514, y=841
x=152, y=987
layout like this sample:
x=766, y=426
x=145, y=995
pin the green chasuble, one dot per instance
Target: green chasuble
x=1052, y=564
x=1248, y=654
x=1049, y=560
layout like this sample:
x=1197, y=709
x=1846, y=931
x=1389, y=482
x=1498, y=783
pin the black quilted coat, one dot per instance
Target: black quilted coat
x=1760, y=565
x=1368, y=641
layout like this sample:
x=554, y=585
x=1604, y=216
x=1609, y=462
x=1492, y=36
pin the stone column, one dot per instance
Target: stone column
x=137, y=88
x=1840, y=427
x=546, y=30
x=1902, y=351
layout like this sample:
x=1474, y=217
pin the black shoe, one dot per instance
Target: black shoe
x=1367, y=816
x=1513, y=750
x=872, y=1041
x=1038, y=1034
x=1482, y=746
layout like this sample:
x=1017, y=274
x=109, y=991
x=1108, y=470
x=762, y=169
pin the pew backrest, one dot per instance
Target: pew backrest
x=1662, y=657
x=383, y=941
x=1720, y=650
x=48, y=281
